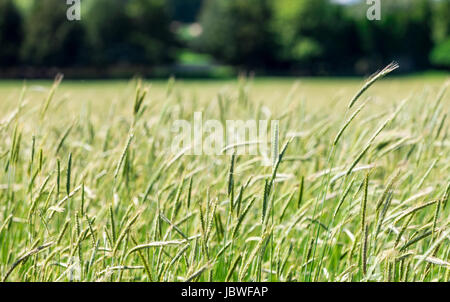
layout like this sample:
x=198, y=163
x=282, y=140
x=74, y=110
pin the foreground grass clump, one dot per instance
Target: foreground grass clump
x=89, y=190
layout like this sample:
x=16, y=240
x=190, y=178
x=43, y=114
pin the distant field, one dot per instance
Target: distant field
x=267, y=90
x=91, y=190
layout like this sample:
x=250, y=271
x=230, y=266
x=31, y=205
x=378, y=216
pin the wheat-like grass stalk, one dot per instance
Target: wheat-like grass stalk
x=388, y=69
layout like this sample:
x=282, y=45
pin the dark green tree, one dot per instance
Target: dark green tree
x=185, y=11
x=108, y=27
x=441, y=21
x=51, y=39
x=315, y=35
x=403, y=34
x=440, y=55
x=11, y=34
x=130, y=32
x=418, y=33
x=237, y=32
x=151, y=33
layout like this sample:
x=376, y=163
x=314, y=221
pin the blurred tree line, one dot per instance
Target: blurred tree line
x=298, y=36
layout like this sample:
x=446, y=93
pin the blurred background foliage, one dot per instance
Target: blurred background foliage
x=286, y=37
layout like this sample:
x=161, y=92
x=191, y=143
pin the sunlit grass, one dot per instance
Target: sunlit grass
x=89, y=189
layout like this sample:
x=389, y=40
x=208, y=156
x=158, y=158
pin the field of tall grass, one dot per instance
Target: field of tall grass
x=358, y=189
